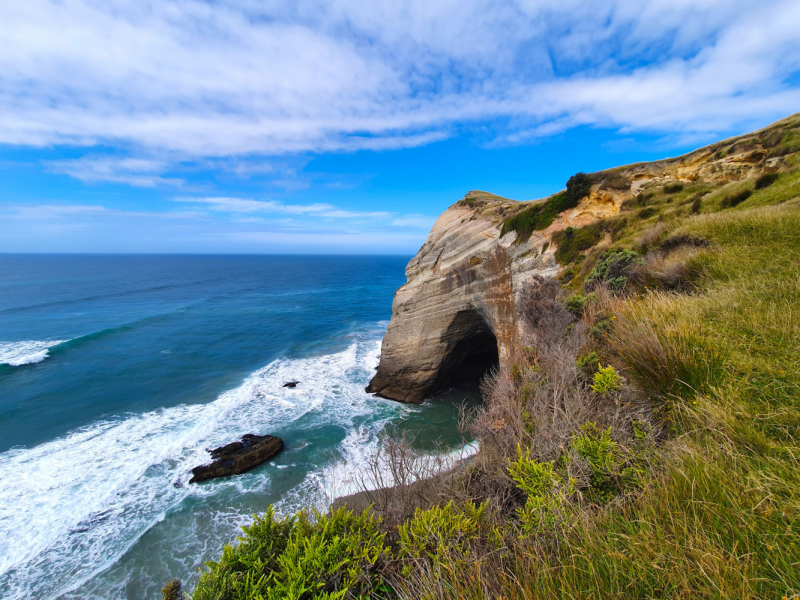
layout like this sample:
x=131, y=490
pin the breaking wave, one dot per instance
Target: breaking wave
x=16, y=354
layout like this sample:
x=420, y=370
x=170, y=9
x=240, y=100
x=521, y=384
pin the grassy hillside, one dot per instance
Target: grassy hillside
x=643, y=443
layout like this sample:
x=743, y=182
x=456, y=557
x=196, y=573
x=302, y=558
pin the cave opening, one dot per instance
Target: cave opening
x=472, y=352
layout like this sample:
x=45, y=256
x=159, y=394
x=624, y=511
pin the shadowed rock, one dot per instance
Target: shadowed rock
x=238, y=457
x=291, y=384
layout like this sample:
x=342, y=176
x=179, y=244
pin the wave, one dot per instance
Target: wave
x=72, y=507
x=29, y=352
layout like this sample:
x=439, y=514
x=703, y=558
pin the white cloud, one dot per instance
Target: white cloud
x=247, y=205
x=241, y=77
x=138, y=172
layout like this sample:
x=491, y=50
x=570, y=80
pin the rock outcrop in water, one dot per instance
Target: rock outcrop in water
x=238, y=457
x=456, y=315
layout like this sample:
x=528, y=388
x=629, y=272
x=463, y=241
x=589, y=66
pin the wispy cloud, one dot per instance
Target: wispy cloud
x=247, y=205
x=243, y=78
x=138, y=172
x=97, y=228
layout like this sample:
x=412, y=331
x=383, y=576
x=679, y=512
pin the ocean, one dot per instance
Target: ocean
x=117, y=373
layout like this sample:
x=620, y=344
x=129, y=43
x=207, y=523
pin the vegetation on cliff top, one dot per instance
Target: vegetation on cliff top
x=642, y=442
x=541, y=216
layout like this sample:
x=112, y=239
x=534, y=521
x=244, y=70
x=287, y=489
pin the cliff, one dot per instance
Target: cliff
x=456, y=316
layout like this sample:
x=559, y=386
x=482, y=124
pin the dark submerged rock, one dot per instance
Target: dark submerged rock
x=291, y=384
x=238, y=457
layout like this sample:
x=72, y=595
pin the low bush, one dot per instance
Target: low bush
x=697, y=203
x=615, y=181
x=606, y=380
x=330, y=556
x=610, y=473
x=546, y=493
x=543, y=311
x=683, y=240
x=673, y=188
x=571, y=242
x=172, y=591
x=735, y=199
x=441, y=535
x=646, y=213
x=575, y=304
x=588, y=364
x=766, y=180
x=613, y=269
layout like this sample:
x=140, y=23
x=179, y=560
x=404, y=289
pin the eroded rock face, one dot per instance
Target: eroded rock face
x=238, y=457
x=454, y=318
x=456, y=315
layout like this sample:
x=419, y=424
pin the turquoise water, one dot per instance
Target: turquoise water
x=117, y=373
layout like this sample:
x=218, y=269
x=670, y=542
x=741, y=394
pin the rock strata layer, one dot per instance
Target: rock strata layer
x=456, y=315
x=238, y=457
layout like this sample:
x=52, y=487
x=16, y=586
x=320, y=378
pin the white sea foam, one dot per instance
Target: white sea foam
x=25, y=353
x=70, y=508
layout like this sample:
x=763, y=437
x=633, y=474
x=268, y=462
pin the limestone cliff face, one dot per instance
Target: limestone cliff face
x=456, y=315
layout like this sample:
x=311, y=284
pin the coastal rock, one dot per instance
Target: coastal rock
x=455, y=317
x=238, y=457
x=291, y=384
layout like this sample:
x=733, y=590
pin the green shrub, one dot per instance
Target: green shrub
x=697, y=203
x=172, y=591
x=609, y=474
x=606, y=380
x=735, y=199
x=588, y=364
x=545, y=504
x=571, y=242
x=766, y=180
x=441, y=534
x=578, y=186
x=297, y=557
x=673, y=188
x=646, y=213
x=575, y=304
x=613, y=269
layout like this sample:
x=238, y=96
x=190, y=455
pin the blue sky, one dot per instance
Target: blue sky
x=347, y=127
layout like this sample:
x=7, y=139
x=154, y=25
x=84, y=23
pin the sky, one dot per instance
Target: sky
x=344, y=126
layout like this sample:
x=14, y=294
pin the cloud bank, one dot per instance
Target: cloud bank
x=187, y=79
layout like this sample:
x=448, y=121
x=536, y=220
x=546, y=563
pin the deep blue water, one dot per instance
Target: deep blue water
x=118, y=372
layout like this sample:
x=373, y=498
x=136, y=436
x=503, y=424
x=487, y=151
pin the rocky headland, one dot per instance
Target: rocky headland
x=456, y=315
